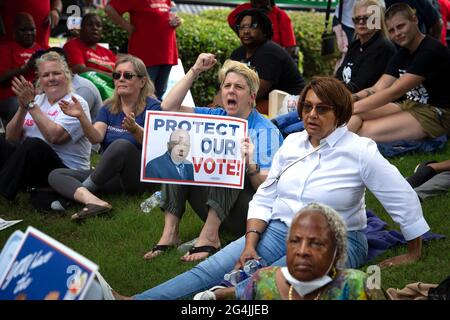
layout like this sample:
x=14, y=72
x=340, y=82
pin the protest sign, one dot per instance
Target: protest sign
x=5, y=223
x=43, y=268
x=193, y=149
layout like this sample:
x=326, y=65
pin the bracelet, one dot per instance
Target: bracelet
x=255, y=231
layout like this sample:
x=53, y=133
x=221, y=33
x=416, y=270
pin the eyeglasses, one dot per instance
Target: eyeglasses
x=252, y=26
x=126, y=75
x=360, y=19
x=321, y=109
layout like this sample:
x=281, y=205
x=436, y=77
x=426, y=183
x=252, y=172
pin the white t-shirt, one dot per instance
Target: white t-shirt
x=75, y=153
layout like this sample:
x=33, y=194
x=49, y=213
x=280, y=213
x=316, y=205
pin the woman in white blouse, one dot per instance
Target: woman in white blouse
x=325, y=163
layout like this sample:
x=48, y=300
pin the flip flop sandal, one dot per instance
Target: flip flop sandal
x=208, y=249
x=91, y=210
x=159, y=247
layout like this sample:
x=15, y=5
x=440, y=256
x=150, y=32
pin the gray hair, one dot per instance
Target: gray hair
x=337, y=227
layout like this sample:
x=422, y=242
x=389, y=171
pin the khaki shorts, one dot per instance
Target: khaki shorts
x=434, y=121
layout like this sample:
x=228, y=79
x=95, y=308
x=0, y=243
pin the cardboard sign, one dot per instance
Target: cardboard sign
x=45, y=269
x=193, y=149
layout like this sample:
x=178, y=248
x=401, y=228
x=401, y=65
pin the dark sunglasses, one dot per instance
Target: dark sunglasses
x=321, y=109
x=126, y=75
x=360, y=19
x=253, y=26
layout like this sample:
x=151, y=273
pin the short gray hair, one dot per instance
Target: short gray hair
x=337, y=227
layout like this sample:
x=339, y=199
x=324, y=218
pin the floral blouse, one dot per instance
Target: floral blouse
x=349, y=284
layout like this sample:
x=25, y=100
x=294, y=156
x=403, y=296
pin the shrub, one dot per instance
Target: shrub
x=209, y=32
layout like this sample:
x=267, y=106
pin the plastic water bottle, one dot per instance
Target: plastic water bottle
x=235, y=276
x=152, y=202
x=173, y=14
x=251, y=266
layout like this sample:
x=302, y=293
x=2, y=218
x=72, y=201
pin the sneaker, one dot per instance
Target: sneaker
x=185, y=247
x=207, y=294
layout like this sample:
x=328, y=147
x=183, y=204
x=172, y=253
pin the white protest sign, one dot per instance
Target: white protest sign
x=193, y=149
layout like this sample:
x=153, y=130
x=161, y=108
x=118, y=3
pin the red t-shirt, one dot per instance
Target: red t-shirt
x=39, y=9
x=154, y=40
x=444, y=6
x=98, y=58
x=283, y=33
x=12, y=56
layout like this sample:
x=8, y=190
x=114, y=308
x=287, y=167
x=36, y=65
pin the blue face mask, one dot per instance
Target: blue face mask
x=306, y=287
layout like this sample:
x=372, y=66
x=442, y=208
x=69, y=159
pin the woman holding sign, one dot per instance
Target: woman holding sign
x=325, y=163
x=118, y=128
x=217, y=205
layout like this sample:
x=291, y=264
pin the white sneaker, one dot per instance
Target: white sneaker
x=207, y=294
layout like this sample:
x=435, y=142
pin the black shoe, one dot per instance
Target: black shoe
x=422, y=174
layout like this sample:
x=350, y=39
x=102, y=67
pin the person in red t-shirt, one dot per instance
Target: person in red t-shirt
x=152, y=35
x=283, y=33
x=44, y=12
x=16, y=59
x=444, y=8
x=84, y=52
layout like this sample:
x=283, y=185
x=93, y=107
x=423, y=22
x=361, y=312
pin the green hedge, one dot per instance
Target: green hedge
x=209, y=32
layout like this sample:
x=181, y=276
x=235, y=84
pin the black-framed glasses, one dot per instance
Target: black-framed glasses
x=29, y=29
x=360, y=19
x=252, y=26
x=321, y=108
x=126, y=75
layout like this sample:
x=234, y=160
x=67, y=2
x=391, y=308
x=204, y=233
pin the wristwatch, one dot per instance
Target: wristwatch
x=253, y=173
x=30, y=104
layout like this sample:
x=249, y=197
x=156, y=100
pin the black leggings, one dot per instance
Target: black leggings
x=117, y=172
x=25, y=164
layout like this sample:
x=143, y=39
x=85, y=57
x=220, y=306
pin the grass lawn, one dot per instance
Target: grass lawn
x=117, y=243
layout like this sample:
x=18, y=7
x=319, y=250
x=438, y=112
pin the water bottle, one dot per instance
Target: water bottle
x=149, y=204
x=235, y=276
x=251, y=266
x=173, y=14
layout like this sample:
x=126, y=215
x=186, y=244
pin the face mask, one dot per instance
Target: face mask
x=305, y=287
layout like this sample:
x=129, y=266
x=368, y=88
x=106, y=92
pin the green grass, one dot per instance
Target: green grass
x=117, y=243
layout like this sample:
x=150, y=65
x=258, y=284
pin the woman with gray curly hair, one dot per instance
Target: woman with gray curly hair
x=316, y=252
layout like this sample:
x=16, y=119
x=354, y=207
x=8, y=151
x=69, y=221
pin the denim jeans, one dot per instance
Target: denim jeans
x=210, y=272
x=357, y=248
x=159, y=75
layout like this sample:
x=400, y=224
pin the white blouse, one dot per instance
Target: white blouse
x=337, y=175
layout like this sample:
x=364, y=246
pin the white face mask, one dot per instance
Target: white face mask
x=305, y=287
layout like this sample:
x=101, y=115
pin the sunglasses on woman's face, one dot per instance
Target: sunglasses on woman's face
x=360, y=19
x=126, y=75
x=321, y=109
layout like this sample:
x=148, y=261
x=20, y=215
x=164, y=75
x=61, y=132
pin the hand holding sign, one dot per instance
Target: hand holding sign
x=247, y=149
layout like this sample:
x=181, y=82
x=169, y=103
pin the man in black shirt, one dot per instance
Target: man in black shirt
x=418, y=72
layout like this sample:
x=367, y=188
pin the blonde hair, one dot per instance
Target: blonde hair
x=54, y=57
x=148, y=90
x=378, y=3
x=251, y=77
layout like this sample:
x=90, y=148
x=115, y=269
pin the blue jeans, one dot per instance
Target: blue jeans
x=159, y=75
x=357, y=248
x=210, y=272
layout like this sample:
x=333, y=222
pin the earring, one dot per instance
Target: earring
x=333, y=272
